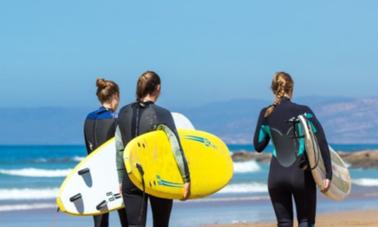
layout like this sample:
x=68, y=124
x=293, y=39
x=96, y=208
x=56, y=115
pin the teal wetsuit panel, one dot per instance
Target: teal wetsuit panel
x=265, y=131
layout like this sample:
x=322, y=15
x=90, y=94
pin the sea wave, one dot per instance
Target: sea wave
x=14, y=207
x=227, y=199
x=33, y=172
x=78, y=158
x=246, y=167
x=28, y=193
x=366, y=182
x=253, y=187
x=58, y=160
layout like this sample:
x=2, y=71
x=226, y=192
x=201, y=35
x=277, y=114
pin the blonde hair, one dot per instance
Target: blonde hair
x=282, y=85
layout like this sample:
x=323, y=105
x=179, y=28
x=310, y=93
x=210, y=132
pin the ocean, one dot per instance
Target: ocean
x=31, y=175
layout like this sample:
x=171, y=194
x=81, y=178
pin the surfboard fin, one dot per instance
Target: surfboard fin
x=75, y=197
x=102, y=205
x=83, y=171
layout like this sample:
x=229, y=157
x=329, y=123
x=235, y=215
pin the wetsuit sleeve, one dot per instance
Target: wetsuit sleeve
x=119, y=154
x=323, y=144
x=261, y=137
x=180, y=156
x=86, y=137
x=184, y=169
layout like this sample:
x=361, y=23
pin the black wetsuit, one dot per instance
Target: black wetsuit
x=99, y=127
x=288, y=175
x=136, y=119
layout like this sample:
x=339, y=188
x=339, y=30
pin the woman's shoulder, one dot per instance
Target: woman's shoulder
x=125, y=109
x=263, y=109
x=159, y=110
x=100, y=113
x=302, y=107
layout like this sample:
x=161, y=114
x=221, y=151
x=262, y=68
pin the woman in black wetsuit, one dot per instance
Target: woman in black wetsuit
x=135, y=119
x=99, y=127
x=289, y=175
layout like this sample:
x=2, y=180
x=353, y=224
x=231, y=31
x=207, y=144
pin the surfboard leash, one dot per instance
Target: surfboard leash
x=142, y=207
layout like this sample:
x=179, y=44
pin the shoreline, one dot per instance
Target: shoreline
x=366, y=218
x=218, y=211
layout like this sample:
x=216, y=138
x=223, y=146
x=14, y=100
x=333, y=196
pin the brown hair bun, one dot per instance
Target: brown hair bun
x=106, y=89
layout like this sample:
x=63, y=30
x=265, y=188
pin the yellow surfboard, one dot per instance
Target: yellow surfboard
x=92, y=187
x=209, y=161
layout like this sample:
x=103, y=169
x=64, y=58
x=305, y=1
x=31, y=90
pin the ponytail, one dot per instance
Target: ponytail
x=147, y=84
x=282, y=85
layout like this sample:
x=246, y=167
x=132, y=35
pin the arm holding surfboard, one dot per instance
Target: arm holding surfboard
x=119, y=157
x=323, y=145
x=166, y=118
x=180, y=157
x=178, y=154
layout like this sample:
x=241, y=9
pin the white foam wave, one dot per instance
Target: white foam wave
x=347, y=165
x=26, y=206
x=77, y=158
x=28, y=193
x=58, y=160
x=33, y=172
x=246, y=167
x=253, y=187
x=367, y=182
x=41, y=160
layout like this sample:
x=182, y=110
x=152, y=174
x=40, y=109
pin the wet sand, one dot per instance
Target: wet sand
x=366, y=218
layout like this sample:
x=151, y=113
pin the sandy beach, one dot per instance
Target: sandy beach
x=366, y=218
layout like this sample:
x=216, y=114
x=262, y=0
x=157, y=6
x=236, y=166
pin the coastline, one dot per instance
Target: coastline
x=366, y=218
x=218, y=211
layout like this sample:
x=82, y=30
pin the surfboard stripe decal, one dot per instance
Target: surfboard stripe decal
x=168, y=183
x=206, y=142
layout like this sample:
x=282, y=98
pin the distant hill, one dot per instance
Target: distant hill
x=345, y=120
x=47, y=125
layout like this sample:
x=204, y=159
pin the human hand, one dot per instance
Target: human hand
x=326, y=185
x=186, y=191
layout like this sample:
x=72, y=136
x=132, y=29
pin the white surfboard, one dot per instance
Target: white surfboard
x=92, y=187
x=341, y=183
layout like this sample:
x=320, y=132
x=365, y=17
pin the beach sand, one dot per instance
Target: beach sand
x=359, y=209
x=366, y=218
x=50, y=218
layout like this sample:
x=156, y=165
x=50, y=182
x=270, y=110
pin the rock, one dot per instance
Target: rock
x=246, y=156
x=361, y=159
x=358, y=159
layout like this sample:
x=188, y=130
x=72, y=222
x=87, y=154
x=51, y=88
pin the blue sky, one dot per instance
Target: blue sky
x=52, y=51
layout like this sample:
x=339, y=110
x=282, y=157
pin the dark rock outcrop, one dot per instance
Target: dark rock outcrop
x=359, y=159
